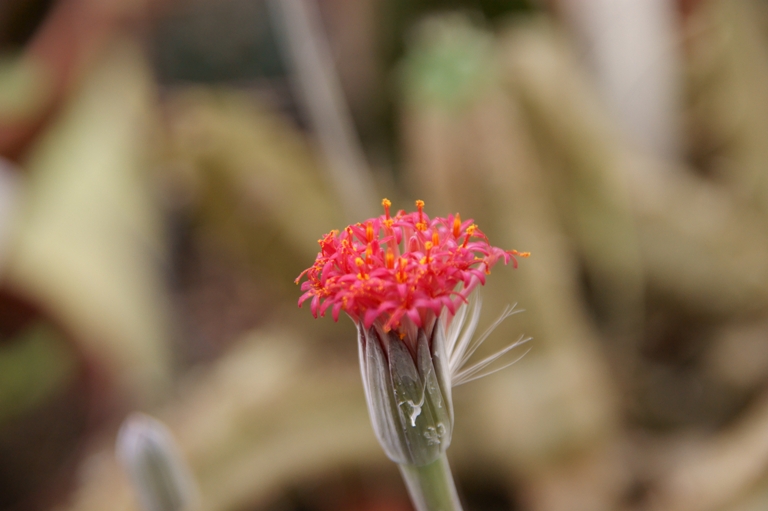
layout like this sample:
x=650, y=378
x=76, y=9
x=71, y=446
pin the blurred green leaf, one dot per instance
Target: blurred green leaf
x=33, y=367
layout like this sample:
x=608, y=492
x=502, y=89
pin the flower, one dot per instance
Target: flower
x=406, y=281
x=406, y=266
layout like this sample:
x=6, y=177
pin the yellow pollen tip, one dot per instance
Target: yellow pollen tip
x=421, y=225
x=388, y=223
x=401, y=276
x=470, y=231
x=387, y=204
x=359, y=261
x=524, y=254
x=428, y=245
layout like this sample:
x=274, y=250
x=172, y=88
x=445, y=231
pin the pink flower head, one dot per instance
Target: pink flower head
x=390, y=268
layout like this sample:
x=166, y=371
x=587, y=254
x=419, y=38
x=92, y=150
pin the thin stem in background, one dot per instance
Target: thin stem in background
x=319, y=89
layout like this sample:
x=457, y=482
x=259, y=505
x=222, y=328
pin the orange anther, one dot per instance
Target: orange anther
x=369, y=232
x=389, y=258
x=456, y=226
x=435, y=238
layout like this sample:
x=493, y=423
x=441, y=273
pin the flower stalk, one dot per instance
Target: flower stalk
x=431, y=486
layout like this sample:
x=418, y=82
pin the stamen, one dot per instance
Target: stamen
x=421, y=224
x=389, y=258
x=401, y=275
x=456, y=226
x=390, y=233
x=470, y=232
x=387, y=204
x=359, y=263
x=428, y=247
x=369, y=232
x=328, y=238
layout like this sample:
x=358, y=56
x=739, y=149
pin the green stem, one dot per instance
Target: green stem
x=431, y=486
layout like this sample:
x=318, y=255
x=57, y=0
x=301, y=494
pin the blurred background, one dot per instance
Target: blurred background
x=167, y=167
